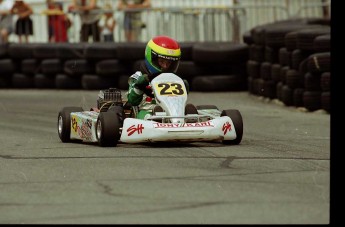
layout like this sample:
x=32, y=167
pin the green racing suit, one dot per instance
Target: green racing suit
x=139, y=95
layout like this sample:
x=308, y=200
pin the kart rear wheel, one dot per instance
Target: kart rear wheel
x=119, y=111
x=108, y=129
x=64, y=122
x=236, y=118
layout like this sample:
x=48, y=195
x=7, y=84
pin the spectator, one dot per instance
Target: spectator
x=50, y=6
x=90, y=15
x=58, y=22
x=24, y=25
x=6, y=27
x=71, y=17
x=107, y=24
x=132, y=17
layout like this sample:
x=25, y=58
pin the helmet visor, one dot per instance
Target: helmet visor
x=165, y=63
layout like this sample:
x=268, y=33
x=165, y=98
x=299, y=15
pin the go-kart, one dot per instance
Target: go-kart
x=115, y=120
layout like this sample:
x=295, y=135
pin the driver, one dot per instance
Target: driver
x=162, y=55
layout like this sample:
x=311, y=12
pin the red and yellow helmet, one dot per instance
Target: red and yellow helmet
x=162, y=54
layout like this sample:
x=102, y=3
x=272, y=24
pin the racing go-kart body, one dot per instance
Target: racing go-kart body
x=115, y=121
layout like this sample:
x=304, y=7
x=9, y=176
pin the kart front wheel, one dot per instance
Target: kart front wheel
x=64, y=122
x=108, y=129
x=236, y=118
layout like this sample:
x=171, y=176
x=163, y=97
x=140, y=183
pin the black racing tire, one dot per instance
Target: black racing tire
x=51, y=66
x=78, y=67
x=257, y=34
x=30, y=66
x=294, y=79
x=271, y=54
x=236, y=118
x=187, y=50
x=100, y=51
x=96, y=82
x=64, y=123
x=319, y=62
x=312, y=81
x=290, y=40
x=283, y=72
x=322, y=43
x=5, y=81
x=136, y=65
x=119, y=111
x=122, y=82
x=255, y=86
x=269, y=89
x=63, y=81
x=279, y=87
x=190, y=109
x=216, y=83
x=4, y=50
x=130, y=51
x=7, y=66
x=206, y=107
x=108, y=129
x=305, y=37
x=284, y=57
x=265, y=70
x=247, y=38
x=297, y=57
x=188, y=70
x=110, y=68
x=45, y=51
x=68, y=51
x=312, y=100
x=275, y=72
x=303, y=67
x=253, y=68
x=20, y=80
x=287, y=95
x=257, y=53
x=325, y=83
x=220, y=52
x=21, y=50
x=44, y=81
x=297, y=97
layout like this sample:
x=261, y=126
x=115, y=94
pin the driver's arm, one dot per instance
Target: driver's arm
x=137, y=83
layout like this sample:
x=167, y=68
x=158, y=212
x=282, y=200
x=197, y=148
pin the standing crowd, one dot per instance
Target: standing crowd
x=97, y=23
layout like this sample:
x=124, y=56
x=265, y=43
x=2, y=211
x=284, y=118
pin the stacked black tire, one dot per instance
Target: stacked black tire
x=207, y=66
x=290, y=61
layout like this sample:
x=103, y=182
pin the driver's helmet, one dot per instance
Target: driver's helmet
x=162, y=54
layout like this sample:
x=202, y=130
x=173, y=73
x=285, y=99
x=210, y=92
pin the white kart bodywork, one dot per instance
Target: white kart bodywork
x=171, y=125
x=135, y=130
x=171, y=94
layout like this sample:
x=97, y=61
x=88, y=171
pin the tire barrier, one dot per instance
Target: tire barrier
x=286, y=60
x=298, y=55
x=210, y=66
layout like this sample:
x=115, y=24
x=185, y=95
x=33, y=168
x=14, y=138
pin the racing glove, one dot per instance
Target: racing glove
x=142, y=82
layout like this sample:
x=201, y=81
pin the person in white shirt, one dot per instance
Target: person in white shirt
x=132, y=17
x=6, y=21
x=107, y=24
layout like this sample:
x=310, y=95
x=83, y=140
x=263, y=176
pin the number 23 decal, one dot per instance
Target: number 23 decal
x=170, y=89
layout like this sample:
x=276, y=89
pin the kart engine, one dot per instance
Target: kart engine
x=109, y=97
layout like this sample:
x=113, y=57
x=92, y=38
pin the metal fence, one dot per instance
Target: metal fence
x=192, y=20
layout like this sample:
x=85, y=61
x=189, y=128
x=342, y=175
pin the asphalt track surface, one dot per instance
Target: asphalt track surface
x=279, y=174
